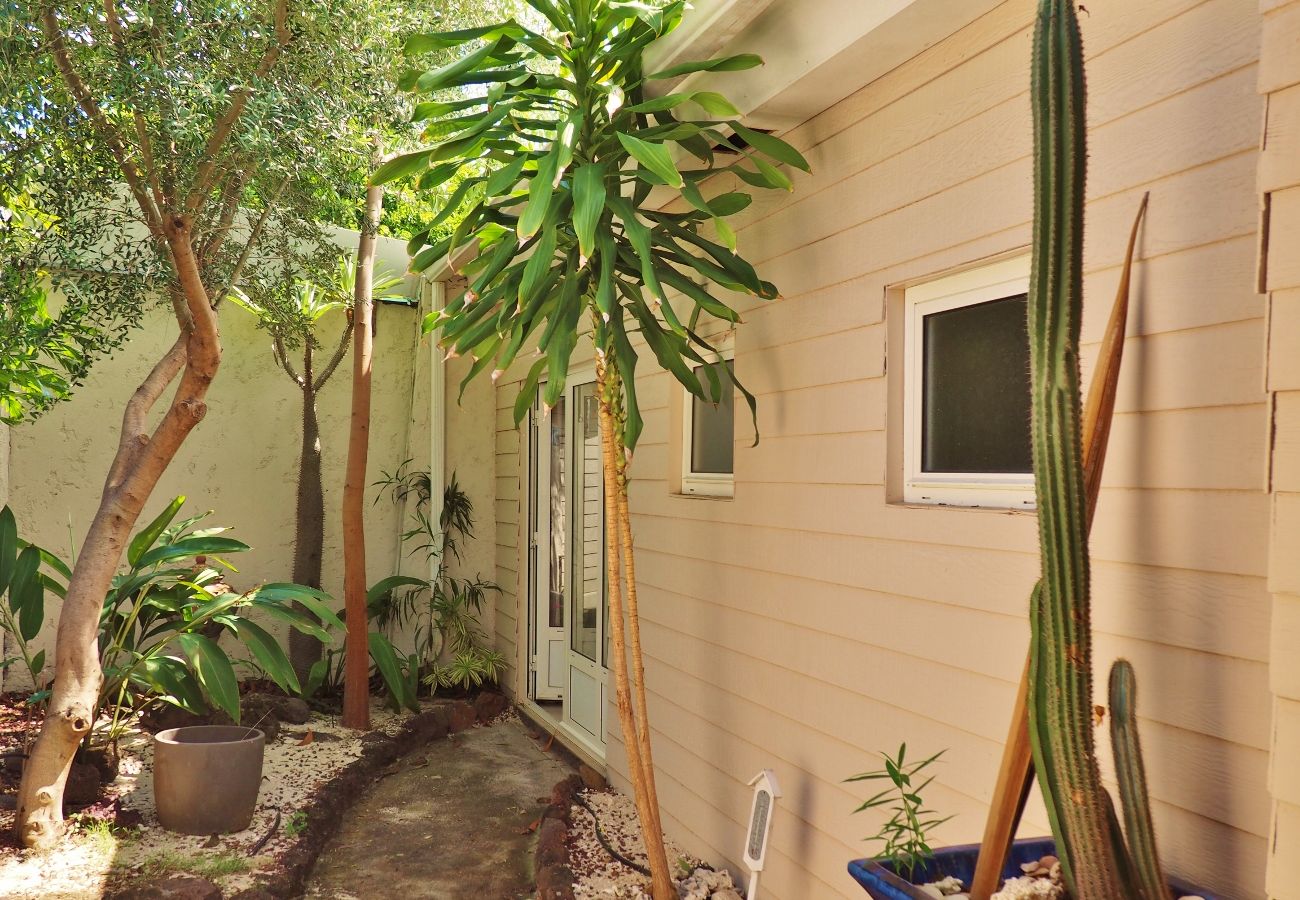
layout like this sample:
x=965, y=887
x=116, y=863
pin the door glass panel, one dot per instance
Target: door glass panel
x=589, y=533
x=558, y=499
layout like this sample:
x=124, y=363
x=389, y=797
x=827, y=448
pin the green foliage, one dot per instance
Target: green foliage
x=449, y=646
x=295, y=824
x=905, y=836
x=163, y=616
x=559, y=212
x=1095, y=859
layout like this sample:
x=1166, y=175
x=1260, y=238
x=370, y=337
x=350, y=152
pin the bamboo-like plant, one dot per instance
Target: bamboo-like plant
x=1096, y=859
x=570, y=241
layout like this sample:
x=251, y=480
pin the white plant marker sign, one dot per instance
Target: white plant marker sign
x=766, y=790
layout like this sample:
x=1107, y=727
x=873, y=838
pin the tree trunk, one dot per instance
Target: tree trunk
x=356, y=673
x=140, y=461
x=636, y=735
x=309, y=521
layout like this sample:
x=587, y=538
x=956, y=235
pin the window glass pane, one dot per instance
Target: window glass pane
x=558, y=499
x=713, y=445
x=589, y=525
x=975, y=397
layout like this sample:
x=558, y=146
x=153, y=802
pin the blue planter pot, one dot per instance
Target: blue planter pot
x=880, y=881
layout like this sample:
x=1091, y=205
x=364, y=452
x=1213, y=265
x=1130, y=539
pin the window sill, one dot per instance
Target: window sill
x=692, y=495
x=962, y=507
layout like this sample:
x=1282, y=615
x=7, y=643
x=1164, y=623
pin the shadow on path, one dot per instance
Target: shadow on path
x=456, y=827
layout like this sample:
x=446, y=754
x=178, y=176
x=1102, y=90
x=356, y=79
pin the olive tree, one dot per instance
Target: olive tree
x=576, y=238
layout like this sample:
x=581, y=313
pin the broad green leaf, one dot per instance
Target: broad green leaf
x=714, y=104
x=386, y=586
x=213, y=670
x=506, y=177
x=147, y=536
x=27, y=594
x=313, y=599
x=316, y=676
x=773, y=147
x=385, y=657
x=655, y=157
x=539, y=195
x=169, y=677
x=442, y=40
x=188, y=547
x=266, y=650
x=8, y=546
x=588, y=205
x=450, y=73
x=721, y=64
x=401, y=166
x=538, y=265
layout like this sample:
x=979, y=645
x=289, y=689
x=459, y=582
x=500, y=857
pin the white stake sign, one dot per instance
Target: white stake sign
x=766, y=790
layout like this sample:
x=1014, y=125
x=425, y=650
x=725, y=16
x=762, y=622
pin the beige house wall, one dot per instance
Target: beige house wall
x=242, y=460
x=1279, y=185
x=809, y=622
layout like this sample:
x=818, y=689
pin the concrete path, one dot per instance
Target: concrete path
x=451, y=829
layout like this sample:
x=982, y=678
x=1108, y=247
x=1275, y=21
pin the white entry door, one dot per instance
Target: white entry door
x=569, y=612
x=549, y=556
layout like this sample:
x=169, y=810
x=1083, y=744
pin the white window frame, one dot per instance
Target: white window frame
x=995, y=281
x=706, y=484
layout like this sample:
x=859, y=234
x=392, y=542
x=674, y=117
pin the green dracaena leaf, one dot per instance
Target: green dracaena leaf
x=721, y=64
x=588, y=205
x=147, y=536
x=654, y=157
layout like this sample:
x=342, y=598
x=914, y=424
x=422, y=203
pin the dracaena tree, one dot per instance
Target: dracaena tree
x=295, y=321
x=572, y=209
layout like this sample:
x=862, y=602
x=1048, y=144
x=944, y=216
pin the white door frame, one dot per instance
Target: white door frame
x=590, y=678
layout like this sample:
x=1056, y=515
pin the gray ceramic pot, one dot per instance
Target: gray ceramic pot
x=206, y=777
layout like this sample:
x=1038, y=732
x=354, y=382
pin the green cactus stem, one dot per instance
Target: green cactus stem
x=1060, y=697
x=1130, y=772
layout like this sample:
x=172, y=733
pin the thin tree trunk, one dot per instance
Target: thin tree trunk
x=140, y=461
x=356, y=675
x=309, y=520
x=636, y=738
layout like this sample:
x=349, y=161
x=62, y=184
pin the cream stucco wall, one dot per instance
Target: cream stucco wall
x=241, y=461
x=809, y=622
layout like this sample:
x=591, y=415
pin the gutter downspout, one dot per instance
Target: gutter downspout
x=437, y=421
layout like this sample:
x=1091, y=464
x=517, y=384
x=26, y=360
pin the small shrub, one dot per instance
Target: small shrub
x=906, y=835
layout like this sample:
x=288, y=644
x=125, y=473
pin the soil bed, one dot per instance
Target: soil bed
x=313, y=772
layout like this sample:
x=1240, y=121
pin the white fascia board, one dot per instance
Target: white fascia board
x=815, y=52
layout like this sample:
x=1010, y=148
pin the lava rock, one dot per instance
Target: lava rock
x=293, y=710
x=105, y=759
x=489, y=704
x=591, y=779
x=551, y=837
x=162, y=716
x=564, y=790
x=82, y=788
x=431, y=724
x=555, y=883
x=174, y=887
x=460, y=716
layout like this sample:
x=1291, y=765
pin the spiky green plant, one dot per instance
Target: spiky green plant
x=1096, y=862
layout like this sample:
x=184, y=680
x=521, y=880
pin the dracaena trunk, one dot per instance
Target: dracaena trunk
x=309, y=519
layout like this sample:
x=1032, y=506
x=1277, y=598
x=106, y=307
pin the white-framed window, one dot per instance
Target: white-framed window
x=708, y=433
x=966, y=389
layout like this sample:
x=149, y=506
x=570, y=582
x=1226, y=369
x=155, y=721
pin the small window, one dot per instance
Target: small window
x=708, y=436
x=966, y=394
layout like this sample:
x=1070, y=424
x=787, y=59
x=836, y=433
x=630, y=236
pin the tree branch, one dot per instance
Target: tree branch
x=253, y=236
x=221, y=131
x=111, y=136
x=339, y=352
x=282, y=358
x=210, y=240
x=134, y=435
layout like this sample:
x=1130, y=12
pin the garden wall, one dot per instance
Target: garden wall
x=810, y=622
x=241, y=462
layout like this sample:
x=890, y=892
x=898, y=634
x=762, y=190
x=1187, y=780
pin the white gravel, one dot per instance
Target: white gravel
x=600, y=877
x=82, y=864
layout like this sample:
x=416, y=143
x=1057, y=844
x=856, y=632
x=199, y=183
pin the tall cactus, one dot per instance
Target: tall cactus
x=1095, y=861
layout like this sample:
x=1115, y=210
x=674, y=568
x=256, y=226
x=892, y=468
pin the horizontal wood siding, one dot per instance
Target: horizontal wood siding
x=1279, y=185
x=809, y=623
